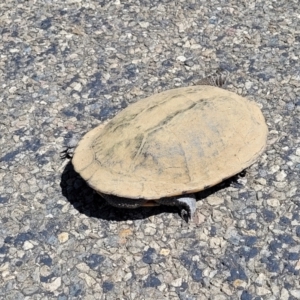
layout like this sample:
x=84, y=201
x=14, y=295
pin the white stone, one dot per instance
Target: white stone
x=226, y=289
x=273, y=169
x=261, y=181
x=181, y=58
x=6, y=275
x=248, y=84
x=27, y=245
x=261, y=291
x=297, y=266
x=294, y=158
x=273, y=202
x=292, y=191
x=142, y=271
x=261, y=278
x=77, y=87
x=181, y=27
x=144, y=24
x=52, y=286
x=4, y=267
x=198, y=218
x=45, y=270
x=162, y=287
x=90, y=281
x=150, y=230
x=127, y=276
x=212, y=274
x=119, y=275
x=284, y=294
x=275, y=290
x=177, y=282
x=277, y=118
x=12, y=89
x=14, y=50
x=217, y=215
x=187, y=44
x=83, y=267
x=295, y=293
x=280, y=176
x=195, y=46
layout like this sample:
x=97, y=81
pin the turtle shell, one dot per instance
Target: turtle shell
x=176, y=142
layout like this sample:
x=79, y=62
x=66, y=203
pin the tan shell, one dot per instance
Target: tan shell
x=175, y=142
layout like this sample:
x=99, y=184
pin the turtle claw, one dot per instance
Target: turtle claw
x=188, y=207
x=67, y=153
x=185, y=215
x=70, y=146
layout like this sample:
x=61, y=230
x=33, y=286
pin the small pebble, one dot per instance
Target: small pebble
x=181, y=58
x=63, y=237
x=214, y=200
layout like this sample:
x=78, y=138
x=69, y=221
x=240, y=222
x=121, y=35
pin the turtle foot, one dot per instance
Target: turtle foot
x=188, y=207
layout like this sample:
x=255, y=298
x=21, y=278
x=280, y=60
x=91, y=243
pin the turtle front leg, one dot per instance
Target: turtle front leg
x=187, y=205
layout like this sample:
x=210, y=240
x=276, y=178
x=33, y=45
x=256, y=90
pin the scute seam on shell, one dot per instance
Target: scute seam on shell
x=159, y=126
x=184, y=155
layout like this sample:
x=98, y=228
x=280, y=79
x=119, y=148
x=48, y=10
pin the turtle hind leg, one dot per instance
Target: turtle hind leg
x=219, y=79
x=187, y=205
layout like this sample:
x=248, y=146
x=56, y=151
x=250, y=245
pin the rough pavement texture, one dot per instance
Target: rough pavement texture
x=67, y=66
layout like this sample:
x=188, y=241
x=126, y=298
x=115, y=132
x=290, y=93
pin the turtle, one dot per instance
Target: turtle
x=163, y=149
